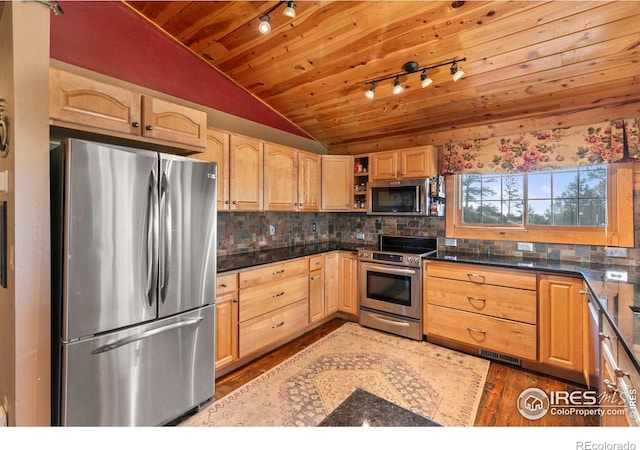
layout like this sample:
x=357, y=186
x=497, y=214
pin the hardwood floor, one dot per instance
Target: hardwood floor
x=497, y=405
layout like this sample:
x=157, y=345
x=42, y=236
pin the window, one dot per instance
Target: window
x=582, y=205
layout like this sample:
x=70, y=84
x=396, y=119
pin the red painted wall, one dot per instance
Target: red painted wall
x=108, y=38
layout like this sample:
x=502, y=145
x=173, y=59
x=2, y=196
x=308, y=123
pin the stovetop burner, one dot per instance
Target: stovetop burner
x=400, y=250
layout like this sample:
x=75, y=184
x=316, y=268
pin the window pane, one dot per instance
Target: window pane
x=491, y=212
x=471, y=212
x=593, y=184
x=491, y=189
x=565, y=212
x=471, y=187
x=512, y=187
x=539, y=212
x=512, y=212
x=539, y=185
x=592, y=213
x=565, y=184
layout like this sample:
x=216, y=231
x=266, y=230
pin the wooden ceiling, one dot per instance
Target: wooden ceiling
x=525, y=61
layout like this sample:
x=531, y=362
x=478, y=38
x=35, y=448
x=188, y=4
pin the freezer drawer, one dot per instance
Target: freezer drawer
x=145, y=375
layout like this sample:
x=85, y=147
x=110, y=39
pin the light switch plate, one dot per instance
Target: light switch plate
x=616, y=252
x=449, y=242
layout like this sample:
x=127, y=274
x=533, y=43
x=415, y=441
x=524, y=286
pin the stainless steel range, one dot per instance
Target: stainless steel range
x=390, y=280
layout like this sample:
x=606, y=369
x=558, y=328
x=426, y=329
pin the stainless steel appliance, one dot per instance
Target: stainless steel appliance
x=390, y=284
x=134, y=268
x=399, y=197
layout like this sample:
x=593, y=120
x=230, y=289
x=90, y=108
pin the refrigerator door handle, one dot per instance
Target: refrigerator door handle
x=166, y=255
x=152, y=238
x=145, y=335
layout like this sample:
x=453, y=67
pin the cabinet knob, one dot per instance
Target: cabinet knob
x=149, y=128
x=135, y=124
x=235, y=300
x=610, y=386
x=234, y=202
x=226, y=202
x=224, y=285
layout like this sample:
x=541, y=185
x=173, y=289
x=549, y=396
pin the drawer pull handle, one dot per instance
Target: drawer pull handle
x=610, y=386
x=278, y=272
x=278, y=325
x=476, y=299
x=279, y=294
x=475, y=330
x=224, y=285
x=314, y=278
x=235, y=300
x=476, y=275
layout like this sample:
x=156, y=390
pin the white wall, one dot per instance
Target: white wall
x=25, y=303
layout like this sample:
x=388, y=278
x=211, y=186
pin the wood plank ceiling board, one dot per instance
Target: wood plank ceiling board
x=527, y=61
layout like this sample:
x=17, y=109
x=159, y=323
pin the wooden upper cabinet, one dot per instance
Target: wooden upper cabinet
x=246, y=160
x=280, y=178
x=167, y=121
x=419, y=162
x=308, y=181
x=337, y=182
x=217, y=150
x=83, y=103
x=74, y=99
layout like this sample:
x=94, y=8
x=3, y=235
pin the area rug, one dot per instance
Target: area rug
x=435, y=382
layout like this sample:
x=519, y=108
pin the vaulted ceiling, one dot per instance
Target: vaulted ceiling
x=524, y=60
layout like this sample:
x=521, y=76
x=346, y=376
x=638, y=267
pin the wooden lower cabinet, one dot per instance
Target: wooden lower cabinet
x=317, y=304
x=560, y=323
x=348, y=293
x=331, y=281
x=226, y=340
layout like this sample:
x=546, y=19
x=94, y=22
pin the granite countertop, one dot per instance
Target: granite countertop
x=244, y=260
x=363, y=409
x=623, y=312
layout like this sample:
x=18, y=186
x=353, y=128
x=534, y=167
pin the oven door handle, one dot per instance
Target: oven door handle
x=382, y=268
x=390, y=321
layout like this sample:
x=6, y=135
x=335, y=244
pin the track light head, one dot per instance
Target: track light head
x=290, y=10
x=371, y=93
x=397, y=87
x=265, y=24
x=455, y=72
x=426, y=81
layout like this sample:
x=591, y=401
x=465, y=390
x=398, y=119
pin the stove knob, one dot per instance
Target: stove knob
x=409, y=259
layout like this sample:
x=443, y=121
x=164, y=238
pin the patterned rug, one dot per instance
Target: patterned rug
x=438, y=383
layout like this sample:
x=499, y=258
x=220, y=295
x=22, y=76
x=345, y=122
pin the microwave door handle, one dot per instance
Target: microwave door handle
x=418, y=199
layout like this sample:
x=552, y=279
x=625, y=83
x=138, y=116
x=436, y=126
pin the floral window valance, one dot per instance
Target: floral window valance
x=601, y=143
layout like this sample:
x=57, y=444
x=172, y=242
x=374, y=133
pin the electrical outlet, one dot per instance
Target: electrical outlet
x=616, y=275
x=360, y=236
x=616, y=252
x=448, y=242
x=524, y=246
x=272, y=230
x=313, y=227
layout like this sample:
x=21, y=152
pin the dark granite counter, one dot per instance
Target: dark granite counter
x=623, y=311
x=250, y=259
x=363, y=409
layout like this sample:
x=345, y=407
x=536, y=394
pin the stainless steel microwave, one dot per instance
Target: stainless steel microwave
x=399, y=197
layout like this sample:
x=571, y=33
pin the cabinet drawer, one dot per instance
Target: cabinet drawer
x=273, y=272
x=265, y=298
x=269, y=328
x=225, y=283
x=316, y=262
x=479, y=274
x=503, y=336
x=496, y=301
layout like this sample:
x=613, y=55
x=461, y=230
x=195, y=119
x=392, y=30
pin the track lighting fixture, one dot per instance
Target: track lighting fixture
x=411, y=67
x=371, y=92
x=455, y=72
x=265, y=20
x=397, y=88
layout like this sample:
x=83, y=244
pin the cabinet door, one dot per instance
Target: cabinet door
x=348, y=272
x=218, y=151
x=74, y=99
x=280, y=178
x=316, y=296
x=337, y=183
x=245, y=173
x=331, y=283
x=226, y=329
x=173, y=123
x=417, y=163
x=560, y=322
x=308, y=181
x=383, y=166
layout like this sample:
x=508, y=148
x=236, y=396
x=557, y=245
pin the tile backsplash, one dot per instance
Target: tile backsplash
x=240, y=232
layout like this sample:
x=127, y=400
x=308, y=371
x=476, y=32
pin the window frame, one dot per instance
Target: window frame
x=617, y=233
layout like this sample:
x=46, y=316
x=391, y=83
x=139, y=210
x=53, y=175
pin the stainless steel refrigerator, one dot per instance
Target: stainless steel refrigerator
x=133, y=285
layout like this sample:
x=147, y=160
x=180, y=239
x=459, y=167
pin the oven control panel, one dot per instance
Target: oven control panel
x=399, y=259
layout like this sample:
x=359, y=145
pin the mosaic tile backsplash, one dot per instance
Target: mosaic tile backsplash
x=240, y=232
